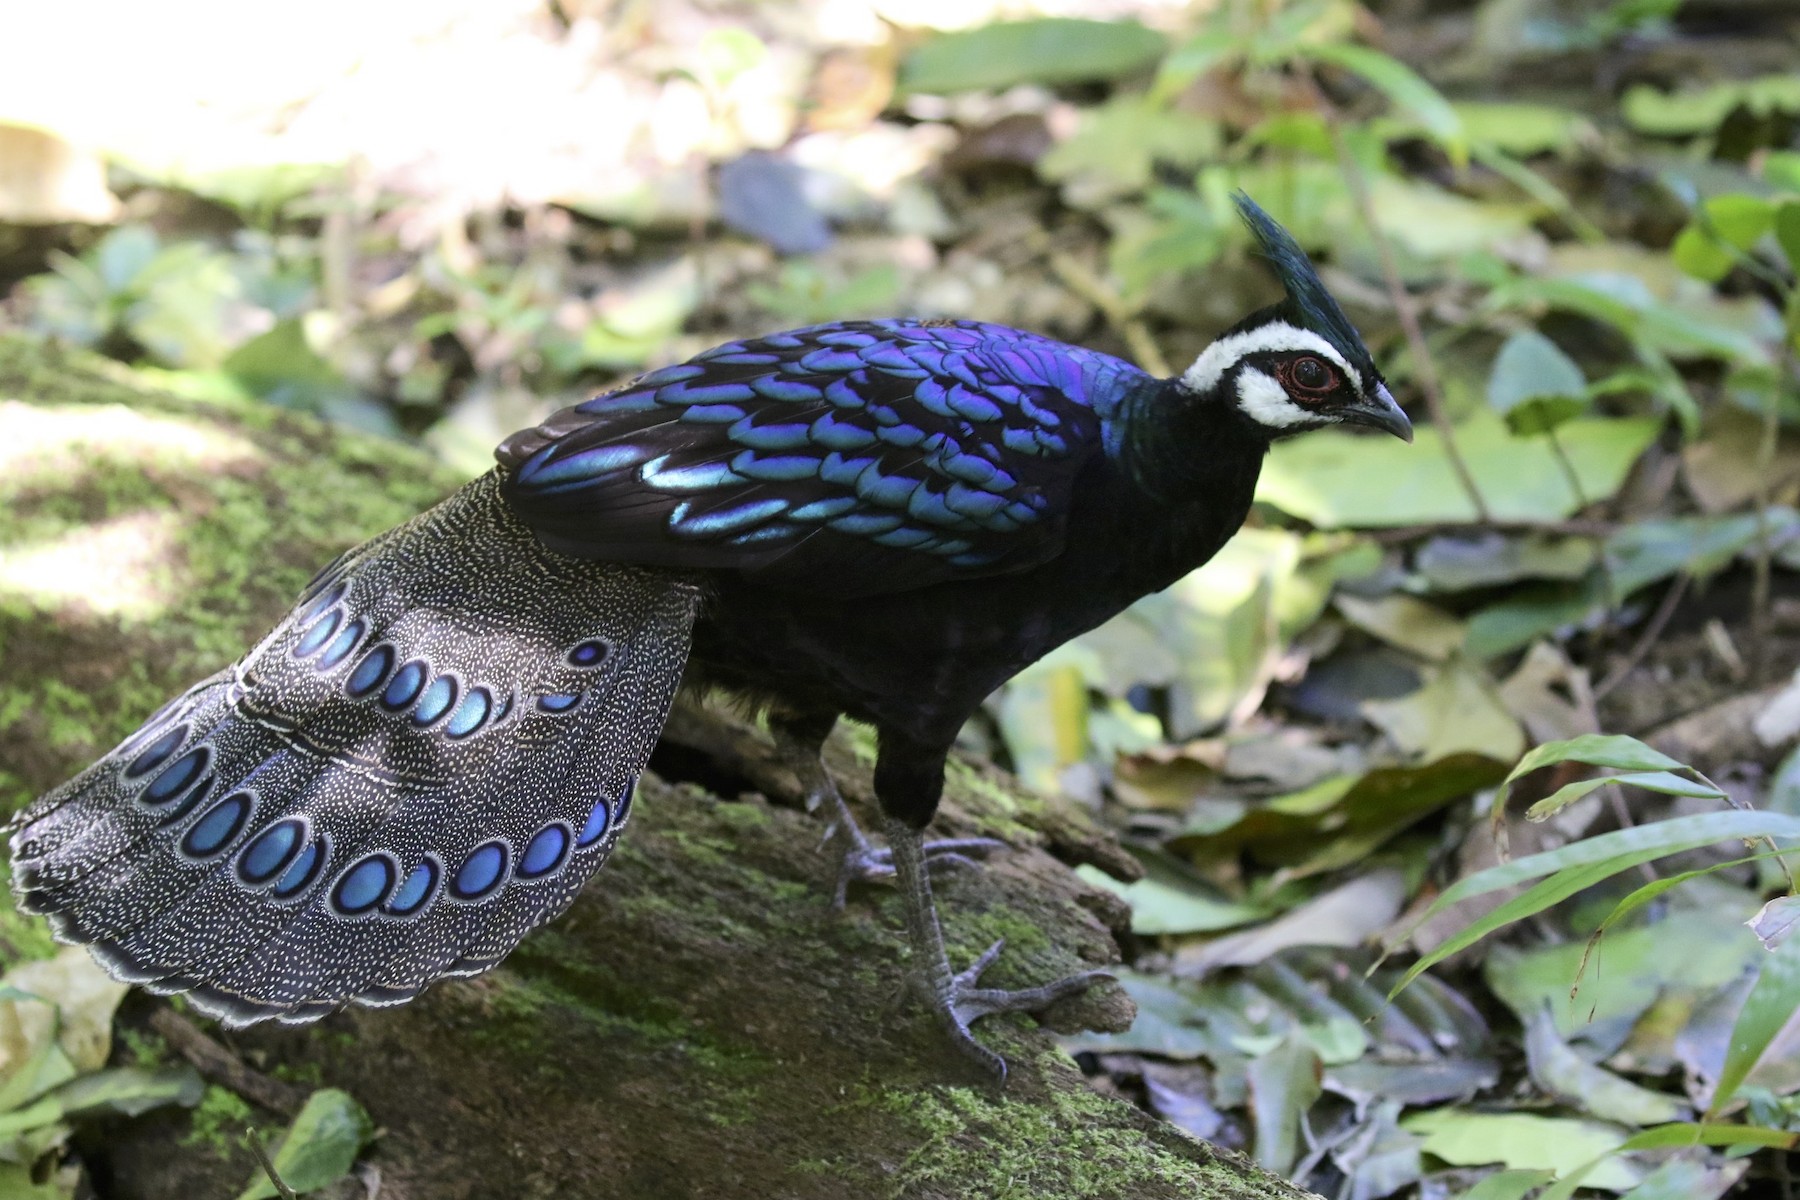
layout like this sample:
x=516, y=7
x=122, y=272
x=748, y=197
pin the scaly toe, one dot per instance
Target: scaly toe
x=864, y=863
x=962, y=1003
x=969, y=1003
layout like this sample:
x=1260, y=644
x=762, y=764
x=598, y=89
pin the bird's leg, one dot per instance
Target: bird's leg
x=957, y=999
x=799, y=738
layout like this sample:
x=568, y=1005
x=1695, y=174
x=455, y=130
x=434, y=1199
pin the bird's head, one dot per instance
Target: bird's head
x=1299, y=364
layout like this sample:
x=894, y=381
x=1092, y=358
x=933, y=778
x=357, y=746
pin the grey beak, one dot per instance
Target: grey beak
x=1380, y=412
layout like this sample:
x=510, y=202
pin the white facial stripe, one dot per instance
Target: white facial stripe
x=1262, y=398
x=1277, y=337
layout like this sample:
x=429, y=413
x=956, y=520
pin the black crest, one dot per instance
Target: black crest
x=1309, y=304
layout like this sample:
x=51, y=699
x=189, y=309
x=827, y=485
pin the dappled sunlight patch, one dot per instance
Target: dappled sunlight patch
x=125, y=567
x=60, y=441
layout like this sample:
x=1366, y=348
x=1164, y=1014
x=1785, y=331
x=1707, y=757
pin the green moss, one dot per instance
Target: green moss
x=741, y=817
x=984, y=1144
x=306, y=1074
x=709, y=851
x=998, y=806
x=218, y=1122
x=968, y=933
x=521, y=1015
x=142, y=1049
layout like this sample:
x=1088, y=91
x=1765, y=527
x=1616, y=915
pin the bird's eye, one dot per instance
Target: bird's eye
x=1311, y=375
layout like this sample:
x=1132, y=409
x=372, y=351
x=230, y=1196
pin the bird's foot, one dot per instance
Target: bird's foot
x=961, y=1001
x=864, y=862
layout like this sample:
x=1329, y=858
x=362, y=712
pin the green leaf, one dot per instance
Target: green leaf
x=16, y=1184
x=1781, y=169
x=1404, y=87
x=1522, y=129
x=1656, y=887
x=1544, y=414
x=1456, y=563
x=1508, y=1185
x=1727, y=226
x=1170, y=899
x=1664, y=1137
x=1284, y=1082
x=725, y=54
x=1456, y=711
x=1684, y=1179
x=1522, y=1140
x=1652, y=781
x=1695, y=324
x=129, y=1091
x=1787, y=232
x=1702, y=110
x=1625, y=848
x=1644, y=551
x=1049, y=50
x=320, y=1147
x=1772, y=1001
x=1119, y=145
x=1530, y=365
x=1554, y=890
x=124, y=255
x=1596, y=750
x=1580, y=865
x=1688, y=1133
x=1339, y=480
x=1172, y=1022
x=1594, y=1090
x=1194, y=58
x=1404, y=621
x=43, y=1112
x=1738, y=218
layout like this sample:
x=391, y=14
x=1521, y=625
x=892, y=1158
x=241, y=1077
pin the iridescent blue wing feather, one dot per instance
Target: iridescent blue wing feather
x=423, y=762
x=910, y=452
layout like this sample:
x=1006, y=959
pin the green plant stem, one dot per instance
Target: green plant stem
x=1609, y=589
x=268, y=1168
x=1652, y=631
x=1760, y=587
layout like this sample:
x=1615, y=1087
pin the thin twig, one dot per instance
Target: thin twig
x=1423, y=362
x=1621, y=811
x=217, y=1064
x=1575, y=527
x=1653, y=630
x=1760, y=602
x=1121, y=316
x=268, y=1168
x=1609, y=589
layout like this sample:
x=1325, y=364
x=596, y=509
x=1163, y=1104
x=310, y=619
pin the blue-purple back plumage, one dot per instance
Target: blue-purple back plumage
x=922, y=450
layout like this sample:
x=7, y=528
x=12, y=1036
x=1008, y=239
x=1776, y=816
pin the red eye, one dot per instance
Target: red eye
x=1311, y=375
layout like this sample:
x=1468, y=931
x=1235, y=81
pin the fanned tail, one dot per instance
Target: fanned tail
x=423, y=762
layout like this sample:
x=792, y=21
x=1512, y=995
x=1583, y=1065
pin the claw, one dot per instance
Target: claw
x=958, y=999
x=962, y=1003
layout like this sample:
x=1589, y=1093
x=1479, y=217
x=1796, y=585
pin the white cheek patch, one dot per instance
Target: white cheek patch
x=1262, y=398
x=1276, y=337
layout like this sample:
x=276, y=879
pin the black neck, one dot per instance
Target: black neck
x=1179, y=477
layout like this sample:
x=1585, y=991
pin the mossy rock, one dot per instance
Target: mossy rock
x=700, y=1023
